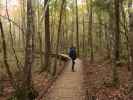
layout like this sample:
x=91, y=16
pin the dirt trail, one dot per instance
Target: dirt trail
x=69, y=85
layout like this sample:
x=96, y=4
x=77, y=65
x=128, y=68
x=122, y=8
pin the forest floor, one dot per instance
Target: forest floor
x=41, y=81
x=88, y=82
x=98, y=81
x=69, y=86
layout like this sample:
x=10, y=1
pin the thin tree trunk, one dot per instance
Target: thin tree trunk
x=47, y=38
x=12, y=44
x=100, y=31
x=4, y=47
x=130, y=35
x=117, y=30
x=73, y=24
x=116, y=43
x=58, y=36
x=83, y=37
x=126, y=31
x=23, y=21
x=39, y=34
x=66, y=42
x=90, y=39
x=29, y=57
x=77, y=28
x=107, y=39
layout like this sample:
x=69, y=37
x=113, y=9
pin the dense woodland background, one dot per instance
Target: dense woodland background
x=33, y=34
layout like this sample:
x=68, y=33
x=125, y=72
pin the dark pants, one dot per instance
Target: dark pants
x=73, y=63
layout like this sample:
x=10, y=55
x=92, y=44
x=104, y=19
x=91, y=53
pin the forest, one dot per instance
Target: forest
x=37, y=36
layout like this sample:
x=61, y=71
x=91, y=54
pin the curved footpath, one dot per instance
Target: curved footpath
x=69, y=86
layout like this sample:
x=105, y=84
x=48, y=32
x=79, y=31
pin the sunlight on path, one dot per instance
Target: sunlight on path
x=69, y=85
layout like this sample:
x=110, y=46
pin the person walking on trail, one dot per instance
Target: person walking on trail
x=72, y=55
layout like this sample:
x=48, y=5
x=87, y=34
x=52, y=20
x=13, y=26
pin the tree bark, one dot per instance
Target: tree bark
x=77, y=28
x=10, y=75
x=58, y=36
x=83, y=45
x=47, y=37
x=12, y=42
x=130, y=36
x=117, y=30
x=29, y=50
x=90, y=36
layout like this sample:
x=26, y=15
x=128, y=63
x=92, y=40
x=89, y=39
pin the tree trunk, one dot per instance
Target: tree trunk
x=116, y=43
x=23, y=21
x=90, y=36
x=29, y=50
x=117, y=30
x=130, y=35
x=77, y=28
x=126, y=31
x=100, y=32
x=4, y=46
x=47, y=38
x=58, y=36
x=107, y=39
x=12, y=40
x=83, y=37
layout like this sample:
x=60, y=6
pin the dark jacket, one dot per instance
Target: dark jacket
x=72, y=53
